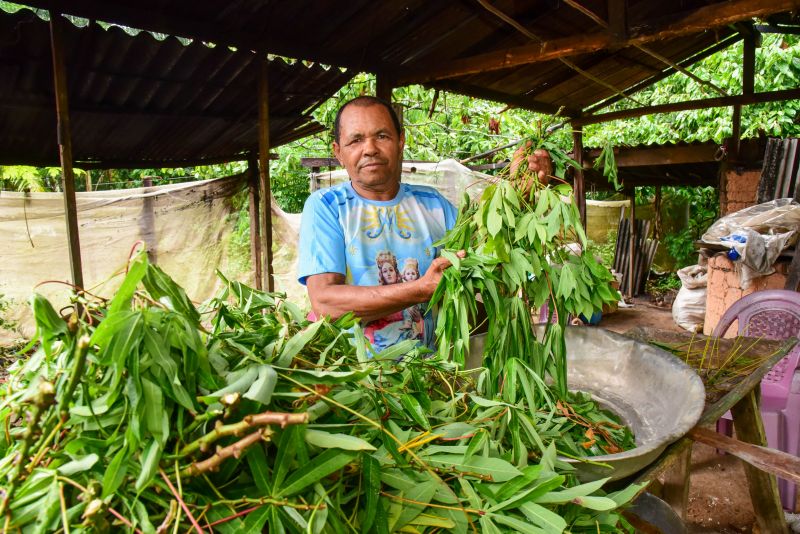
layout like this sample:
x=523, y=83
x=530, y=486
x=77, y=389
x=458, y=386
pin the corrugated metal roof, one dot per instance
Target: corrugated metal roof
x=137, y=100
x=406, y=36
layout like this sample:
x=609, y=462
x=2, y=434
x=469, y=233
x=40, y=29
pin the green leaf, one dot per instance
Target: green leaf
x=259, y=468
x=371, y=482
x=78, y=465
x=624, y=496
x=326, y=440
x=296, y=343
x=517, y=524
x=285, y=456
x=452, y=258
x=319, y=467
x=150, y=457
x=254, y=521
x=421, y=493
x=136, y=271
x=593, y=502
x=115, y=472
x=570, y=494
x=414, y=410
x=497, y=469
x=261, y=390
x=549, y=522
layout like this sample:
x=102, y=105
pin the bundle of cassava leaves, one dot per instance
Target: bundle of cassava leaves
x=136, y=416
x=525, y=252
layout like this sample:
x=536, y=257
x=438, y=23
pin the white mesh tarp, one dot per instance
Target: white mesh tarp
x=186, y=228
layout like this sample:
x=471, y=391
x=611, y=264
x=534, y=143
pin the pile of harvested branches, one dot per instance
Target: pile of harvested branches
x=134, y=416
x=525, y=252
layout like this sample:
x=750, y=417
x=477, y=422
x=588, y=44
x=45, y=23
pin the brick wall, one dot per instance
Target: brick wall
x=739, y=190
x=724, y=288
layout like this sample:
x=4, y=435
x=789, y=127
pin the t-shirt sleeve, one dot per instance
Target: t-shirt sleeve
x=450, y=214
x=322, y=248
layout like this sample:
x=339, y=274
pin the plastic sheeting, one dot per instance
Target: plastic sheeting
x=449, y=177
x=186, y=228
x=756, y=236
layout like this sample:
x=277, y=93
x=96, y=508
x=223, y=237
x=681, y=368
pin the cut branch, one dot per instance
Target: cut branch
x=234, y=450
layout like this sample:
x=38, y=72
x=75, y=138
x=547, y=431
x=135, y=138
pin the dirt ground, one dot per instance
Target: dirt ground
x=719, y=501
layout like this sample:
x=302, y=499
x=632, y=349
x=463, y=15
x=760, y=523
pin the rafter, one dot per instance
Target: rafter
x=700, y=20
x=530, y=35
x=743, y=100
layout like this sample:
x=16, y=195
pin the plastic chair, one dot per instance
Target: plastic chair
x=772, y=314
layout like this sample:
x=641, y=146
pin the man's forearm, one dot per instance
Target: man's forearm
x=366, y=302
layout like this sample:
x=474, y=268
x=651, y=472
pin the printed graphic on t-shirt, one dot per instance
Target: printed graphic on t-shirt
x=385, y=243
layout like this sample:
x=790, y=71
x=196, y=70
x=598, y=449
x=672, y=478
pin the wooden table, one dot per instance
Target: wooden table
x=739, y=393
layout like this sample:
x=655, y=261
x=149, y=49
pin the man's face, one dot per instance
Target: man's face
x=370, y=149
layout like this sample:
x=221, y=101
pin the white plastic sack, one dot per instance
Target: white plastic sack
x=689, y=307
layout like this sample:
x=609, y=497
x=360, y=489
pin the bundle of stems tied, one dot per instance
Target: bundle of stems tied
x=134, y=415
x=525, y=252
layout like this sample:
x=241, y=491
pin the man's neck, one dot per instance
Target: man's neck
x=378, y=194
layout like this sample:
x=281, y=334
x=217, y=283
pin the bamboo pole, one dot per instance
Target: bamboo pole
x=65, y=146
x=263, y=167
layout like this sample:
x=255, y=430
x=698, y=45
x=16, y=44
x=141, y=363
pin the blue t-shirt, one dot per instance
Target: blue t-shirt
x=376, y=243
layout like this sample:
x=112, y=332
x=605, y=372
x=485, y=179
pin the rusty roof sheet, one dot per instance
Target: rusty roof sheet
x=137, y=101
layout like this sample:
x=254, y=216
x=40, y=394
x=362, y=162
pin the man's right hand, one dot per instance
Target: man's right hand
x=433, y=275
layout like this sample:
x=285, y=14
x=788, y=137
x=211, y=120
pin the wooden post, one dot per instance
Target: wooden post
x=763, y=486
x=263, y=167
x=147, y=223
x=579, y=186
x=65, y=146
x=632, y=244
x=383, y=87
x=748, y=83
x=657, y=214
x=255, y=222
x=88, y=181
x=675, y=491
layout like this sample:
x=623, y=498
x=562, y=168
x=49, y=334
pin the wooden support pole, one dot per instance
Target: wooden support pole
x=383, y=87
x=255, y=221
x=748, y=85
x=763, y=486
x=65, y=146
x=632, y=243
x=579, y=185
x=265, y=199
x=676, y=484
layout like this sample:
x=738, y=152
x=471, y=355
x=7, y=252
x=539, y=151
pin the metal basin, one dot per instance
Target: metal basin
x=658, y=396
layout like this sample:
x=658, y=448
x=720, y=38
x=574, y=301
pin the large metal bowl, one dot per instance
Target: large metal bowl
x=658, y=396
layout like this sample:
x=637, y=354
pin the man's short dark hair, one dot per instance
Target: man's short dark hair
x=363, y=101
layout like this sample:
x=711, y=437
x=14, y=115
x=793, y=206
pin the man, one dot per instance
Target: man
x=354, y=235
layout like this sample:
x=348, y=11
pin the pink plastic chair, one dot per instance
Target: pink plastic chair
x=772, y=314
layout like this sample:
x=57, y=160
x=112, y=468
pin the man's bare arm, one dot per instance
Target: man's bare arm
x=332, y=297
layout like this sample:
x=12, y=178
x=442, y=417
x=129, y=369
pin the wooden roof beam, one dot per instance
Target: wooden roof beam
x=743, y=100
x=658, y=155
x=702, y=19
x=515, y=100
x=725, y=43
